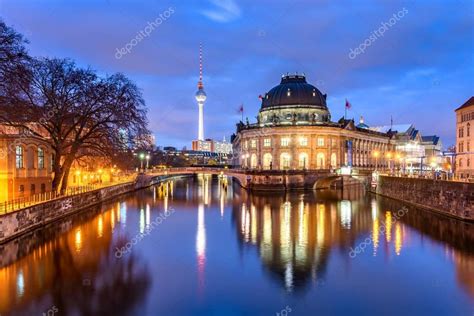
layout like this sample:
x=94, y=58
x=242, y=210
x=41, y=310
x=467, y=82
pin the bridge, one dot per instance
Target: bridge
x=272, y=179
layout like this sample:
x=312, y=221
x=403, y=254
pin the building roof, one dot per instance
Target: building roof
x=363, y=125
x=430, y=139
x=399, y=128
x=468, y=103
x=294, y=90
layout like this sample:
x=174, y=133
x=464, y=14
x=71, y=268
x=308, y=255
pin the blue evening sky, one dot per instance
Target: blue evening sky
x=419, y=71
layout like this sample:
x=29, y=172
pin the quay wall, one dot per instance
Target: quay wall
x=17, y=223
x=450, y=198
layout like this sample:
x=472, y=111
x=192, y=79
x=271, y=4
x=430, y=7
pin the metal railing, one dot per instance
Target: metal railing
x=22, y=202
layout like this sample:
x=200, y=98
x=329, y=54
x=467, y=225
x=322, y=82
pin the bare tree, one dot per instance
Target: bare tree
x=77, y=111
x=13, y=57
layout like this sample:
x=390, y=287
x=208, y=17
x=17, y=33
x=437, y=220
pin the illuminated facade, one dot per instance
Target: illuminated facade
x=294, y=131
x=25, y=164
x=212, y=146
x=464, y=140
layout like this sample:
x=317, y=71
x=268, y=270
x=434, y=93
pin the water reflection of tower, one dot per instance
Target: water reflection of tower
x=203, y=194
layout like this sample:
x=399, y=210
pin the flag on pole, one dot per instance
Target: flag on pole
x=348, y=104
x=241, y=111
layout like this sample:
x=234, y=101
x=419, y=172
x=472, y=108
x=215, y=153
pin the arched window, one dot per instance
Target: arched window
x=334, y=160
x=321, y=161
x=468, y=131
x=40, y=158
x=267, y=161
x=303, y=161
x=19, y=157
x=285, y=160
x=32, y=189
x=30, y=157
x=43, y=188
x=253, y=161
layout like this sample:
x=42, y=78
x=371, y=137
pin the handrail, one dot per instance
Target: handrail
x=22, y=202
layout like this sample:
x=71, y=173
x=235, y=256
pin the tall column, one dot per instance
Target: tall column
x=201, y=121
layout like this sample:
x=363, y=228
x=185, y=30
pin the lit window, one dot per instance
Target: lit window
x=303, y=141
x=288, y=93
x=19, y=157
x=253, y=143
x=285, y=141
x=320, y=141
x=40, y=158
x=267, y=142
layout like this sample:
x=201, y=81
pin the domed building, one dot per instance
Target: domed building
x=294, y=130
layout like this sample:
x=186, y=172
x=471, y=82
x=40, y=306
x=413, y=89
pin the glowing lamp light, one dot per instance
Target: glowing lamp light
x=376, y=154
x=142, y=156
x=346, y=171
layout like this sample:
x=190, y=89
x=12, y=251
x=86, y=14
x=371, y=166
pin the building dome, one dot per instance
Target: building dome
x=293, y=90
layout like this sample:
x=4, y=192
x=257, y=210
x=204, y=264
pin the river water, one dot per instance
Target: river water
x=204, y=246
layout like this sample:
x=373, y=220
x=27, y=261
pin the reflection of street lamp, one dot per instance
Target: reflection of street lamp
x=100, y=175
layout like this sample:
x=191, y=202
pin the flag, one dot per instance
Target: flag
x=241, y=109
x=348, y=105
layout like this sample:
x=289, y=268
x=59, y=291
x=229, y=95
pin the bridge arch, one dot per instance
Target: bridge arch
x=157, y=177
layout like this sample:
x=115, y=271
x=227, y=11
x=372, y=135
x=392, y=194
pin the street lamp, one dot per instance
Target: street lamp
x=389, y=157
x=376, y=154
x=141, y=156
x=147, y=161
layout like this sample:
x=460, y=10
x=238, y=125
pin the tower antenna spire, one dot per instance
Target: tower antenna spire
x=200, y=84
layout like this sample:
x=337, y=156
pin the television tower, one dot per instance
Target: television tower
x=201, y=98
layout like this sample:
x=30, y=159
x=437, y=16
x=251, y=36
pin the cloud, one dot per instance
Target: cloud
x=224, y=11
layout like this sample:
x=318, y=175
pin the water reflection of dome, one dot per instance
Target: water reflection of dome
x=295, y=236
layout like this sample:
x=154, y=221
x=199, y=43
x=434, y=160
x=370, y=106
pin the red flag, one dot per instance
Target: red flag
x=241, y=109
x=348, y=105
